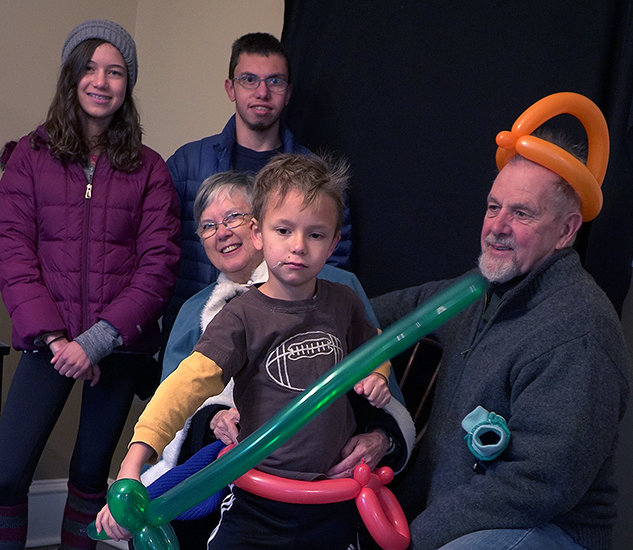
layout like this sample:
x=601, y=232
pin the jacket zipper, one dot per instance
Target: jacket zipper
x=84, y=251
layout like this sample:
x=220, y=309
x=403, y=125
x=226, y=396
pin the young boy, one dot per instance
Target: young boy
x=274, y=341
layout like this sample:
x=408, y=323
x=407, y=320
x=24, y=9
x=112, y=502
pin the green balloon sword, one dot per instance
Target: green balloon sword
x=149, y=520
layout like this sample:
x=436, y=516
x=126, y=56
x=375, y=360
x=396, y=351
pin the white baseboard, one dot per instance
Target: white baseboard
x=47, y=498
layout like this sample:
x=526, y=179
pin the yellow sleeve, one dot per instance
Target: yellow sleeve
x=196, y=379
x=384, y=368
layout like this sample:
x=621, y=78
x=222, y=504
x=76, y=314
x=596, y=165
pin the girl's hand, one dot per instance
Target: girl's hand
x=70, y=360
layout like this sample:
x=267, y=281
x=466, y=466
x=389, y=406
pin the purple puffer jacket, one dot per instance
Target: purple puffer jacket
x=69, y=257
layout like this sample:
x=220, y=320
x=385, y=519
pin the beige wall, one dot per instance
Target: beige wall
x=184, y=59
x=183, y=50
x=183, y=53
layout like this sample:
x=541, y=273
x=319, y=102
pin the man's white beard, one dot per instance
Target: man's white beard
x=498, y=271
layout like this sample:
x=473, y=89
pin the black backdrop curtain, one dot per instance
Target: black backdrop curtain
x=413, y=93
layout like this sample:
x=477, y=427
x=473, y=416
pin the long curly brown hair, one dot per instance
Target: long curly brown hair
x=121, y=142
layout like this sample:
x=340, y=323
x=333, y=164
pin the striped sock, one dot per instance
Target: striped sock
x=13, y=524
x=81, y=509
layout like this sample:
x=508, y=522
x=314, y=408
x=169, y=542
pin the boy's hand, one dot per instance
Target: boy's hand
x=105, y=521
x=137, y=455
x=375, y=389
x=224, y=425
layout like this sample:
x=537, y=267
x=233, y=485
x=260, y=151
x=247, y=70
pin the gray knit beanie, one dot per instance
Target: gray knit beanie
x=110, y=32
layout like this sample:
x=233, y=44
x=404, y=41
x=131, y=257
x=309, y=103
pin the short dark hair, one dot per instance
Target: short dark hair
x=259, y=43
x=311, y=175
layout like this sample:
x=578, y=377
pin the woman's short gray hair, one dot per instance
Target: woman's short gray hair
x=223, y=182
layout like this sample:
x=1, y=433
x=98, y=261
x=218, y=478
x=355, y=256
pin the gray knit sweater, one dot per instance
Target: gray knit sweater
x=553, y=361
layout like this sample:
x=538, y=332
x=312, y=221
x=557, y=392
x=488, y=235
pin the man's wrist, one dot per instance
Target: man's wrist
x=391, y=446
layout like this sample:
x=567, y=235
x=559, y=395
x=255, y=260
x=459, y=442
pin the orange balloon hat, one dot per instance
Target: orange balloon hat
x=585, y=179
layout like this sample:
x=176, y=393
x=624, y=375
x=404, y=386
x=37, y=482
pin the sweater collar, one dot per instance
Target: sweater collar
x=225, y=290
x=521, y=293
x=556, y=271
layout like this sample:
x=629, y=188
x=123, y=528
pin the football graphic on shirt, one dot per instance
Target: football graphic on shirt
x=301, y=359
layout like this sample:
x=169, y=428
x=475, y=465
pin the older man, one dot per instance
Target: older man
x=542, y=350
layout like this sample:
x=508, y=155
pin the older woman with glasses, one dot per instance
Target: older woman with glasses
x=222, y=214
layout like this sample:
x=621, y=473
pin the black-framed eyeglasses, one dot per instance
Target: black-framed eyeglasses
x=251, y=82
x=233, y=220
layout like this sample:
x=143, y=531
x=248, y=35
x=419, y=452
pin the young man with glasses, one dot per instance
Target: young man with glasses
x=259, y=85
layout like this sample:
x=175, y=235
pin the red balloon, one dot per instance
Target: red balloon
x=378, y=507
x=383, y=516
x=296, y=491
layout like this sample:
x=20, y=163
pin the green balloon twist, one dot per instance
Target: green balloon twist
x=146, y=519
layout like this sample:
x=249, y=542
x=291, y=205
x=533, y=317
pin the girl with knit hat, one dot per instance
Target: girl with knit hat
x=89, y=247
